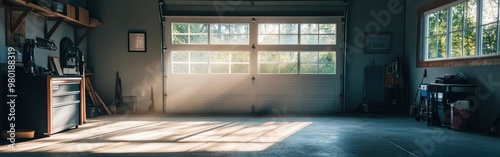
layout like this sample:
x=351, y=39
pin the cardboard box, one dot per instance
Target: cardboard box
x=70, y=11
x=83, y=15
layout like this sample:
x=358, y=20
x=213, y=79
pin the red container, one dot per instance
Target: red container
x=459, y=119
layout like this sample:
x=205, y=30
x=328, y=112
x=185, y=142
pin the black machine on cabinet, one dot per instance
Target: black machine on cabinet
x=71, y=56
x=30, y=46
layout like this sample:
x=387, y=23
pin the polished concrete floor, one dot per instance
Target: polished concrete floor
x=257, y=135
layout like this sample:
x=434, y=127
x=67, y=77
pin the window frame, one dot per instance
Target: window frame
x=254, y=47
x=421, y=55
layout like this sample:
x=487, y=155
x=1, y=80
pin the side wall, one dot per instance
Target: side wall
x=489, y=95
x=381, y=16
x=109, y=51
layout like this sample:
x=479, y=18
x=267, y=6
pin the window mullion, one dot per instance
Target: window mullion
x=189, y=34
x=426, y=37
x=464, y=9
x=479, y=28
x=436, y=34
x=208, y=34
x=497, y=31
x=299, y=33
x=449, y=33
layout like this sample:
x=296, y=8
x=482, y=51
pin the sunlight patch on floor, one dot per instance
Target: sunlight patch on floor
x=164, y=137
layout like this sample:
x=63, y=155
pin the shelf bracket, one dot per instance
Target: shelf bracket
x=79, y=39
x=20, y=20
x=53, y=29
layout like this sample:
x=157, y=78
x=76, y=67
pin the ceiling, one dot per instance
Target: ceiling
x=254, y=7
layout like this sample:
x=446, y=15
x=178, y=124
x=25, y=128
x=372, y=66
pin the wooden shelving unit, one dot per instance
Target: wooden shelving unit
x=47, y=12
x=30, y=8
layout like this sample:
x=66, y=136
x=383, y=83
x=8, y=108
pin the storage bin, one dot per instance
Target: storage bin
x=460, y=113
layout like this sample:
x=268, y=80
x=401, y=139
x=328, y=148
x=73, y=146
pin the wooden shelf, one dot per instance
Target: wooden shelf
x=46, y=12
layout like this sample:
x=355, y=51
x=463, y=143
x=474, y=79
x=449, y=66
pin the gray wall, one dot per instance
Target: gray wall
x=109, y=50
x=490, y=94
x=3, y=48
x=359, y=19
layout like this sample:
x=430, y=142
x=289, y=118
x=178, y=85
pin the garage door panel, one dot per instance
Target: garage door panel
x=230, y=105
x=186, y=88
x=319, y=105
x=319, y=88
x=220, y=89
x=277, y=88
x=188, y=105
x=282, y=105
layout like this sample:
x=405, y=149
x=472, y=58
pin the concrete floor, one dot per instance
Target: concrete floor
x=251, y=135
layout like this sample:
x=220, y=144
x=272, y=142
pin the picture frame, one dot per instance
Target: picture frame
x=137, y=42
x=378, y=43
x=55, y=65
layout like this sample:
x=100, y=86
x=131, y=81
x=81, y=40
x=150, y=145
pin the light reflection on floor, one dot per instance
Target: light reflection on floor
x=101, y=136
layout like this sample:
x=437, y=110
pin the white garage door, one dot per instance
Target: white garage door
x=253, y=64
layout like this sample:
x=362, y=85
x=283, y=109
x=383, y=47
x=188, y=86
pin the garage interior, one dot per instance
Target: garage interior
x=250, y=78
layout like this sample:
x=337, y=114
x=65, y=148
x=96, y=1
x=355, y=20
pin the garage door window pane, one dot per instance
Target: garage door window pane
x=278, y=62
x=288, y=68
x=180, y=56
x=240, y=57
x=229, y=34
x=327, y=39
x=189, y=33
x=274, y=34
x=181, y=68
x=198, y=39
x=327, y=68
x=199, y=68
x=309, y=69
x=327, y=28
x=240, y=68
x=199, y=57
x=221, y=57
x=269, y=68
x=317, y=62
x=309, y=39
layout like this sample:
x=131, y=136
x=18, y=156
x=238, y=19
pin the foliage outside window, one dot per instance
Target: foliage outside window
x=203, y=33
x=294, y=34
x=456, y=32
x=297, y=62
x=184, y=62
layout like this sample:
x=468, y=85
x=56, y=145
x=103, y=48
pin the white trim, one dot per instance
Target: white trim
x=445, y=6
x=479, y=28
x=449, y=31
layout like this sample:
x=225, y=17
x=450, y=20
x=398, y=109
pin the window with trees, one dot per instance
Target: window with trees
x=293, y=34
x=213, y=62
x=213, y=34
x=268, y=45
x=465, y=29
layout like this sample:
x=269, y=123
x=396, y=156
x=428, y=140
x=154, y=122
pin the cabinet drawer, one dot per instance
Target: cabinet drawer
x=65, y=87
x=65, y=117
x=65, y=98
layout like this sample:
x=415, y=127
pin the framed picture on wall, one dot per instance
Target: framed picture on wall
x=137, y=41
x=377, y=43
